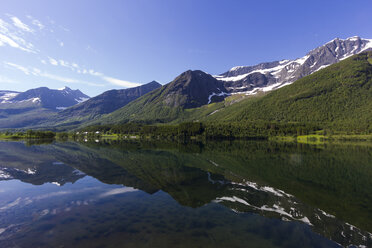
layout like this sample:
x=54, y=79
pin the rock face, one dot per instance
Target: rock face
x=263, y=77
x=109, y=101
x=192, y=89
x=48, y=98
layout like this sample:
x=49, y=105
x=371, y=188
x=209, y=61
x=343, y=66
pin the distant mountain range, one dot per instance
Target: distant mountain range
x=45, y=97
x=193, y=95
x=187, y=96
x=265, y=77
x=23, y=109
x=109, y=101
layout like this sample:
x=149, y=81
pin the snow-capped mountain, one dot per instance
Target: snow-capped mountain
x=44, y=97
x=6, y=95
x=264, y=77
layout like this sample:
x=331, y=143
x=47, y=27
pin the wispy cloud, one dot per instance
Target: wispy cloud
x=120, y=82
x=118, y=191
x=95, y=73
x=36, y=22
x=37, y=72
x=19, y=24
x=18, y=67
x=81, y=70
x=9, y=36
x=53, y=61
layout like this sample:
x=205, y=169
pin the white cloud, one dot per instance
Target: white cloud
x=5, y=40
x=53, y=61
x=43, y=61
x=38, y=72
x=68, y=80
x=19, y=24
x=10, y=38
x=59, y=78
x=38, y=23
x=61, y=44
x=18, y=67
x=4, y=26
x=120, y=82
x=95, y=73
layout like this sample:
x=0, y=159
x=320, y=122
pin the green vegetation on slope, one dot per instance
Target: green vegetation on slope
x=338, y=97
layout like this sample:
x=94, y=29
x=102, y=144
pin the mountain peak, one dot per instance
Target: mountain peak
x=50, y=98
x=250, y=80
x=154, y=83
x=353, y=38
x=65, y=88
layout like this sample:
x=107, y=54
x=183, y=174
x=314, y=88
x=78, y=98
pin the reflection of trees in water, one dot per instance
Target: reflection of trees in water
x=244, y=176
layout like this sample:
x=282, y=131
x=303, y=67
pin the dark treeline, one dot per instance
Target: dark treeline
x=260, y=130
x=29, y=134
x=40, y=134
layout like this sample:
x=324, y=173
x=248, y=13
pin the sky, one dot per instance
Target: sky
x=98, y=45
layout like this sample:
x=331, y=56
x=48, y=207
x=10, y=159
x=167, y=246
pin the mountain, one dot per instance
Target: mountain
x=109, y=101
x=30, y=164
x=189, y=96
x=49, y=98
x=21, y=109
x=337, y=96
x=5, y=95
x=97, y=106
x=189, y=90
x=265, y=77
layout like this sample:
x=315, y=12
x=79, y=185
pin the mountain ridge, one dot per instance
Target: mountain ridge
x=339, y=96
x=263, y=77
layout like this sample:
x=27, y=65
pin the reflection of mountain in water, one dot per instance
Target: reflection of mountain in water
x=313, y=182
x=33, y=165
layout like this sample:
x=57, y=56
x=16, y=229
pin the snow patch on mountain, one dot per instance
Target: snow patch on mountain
x=264, y=77
x=81, y=99
x=217, y=94
x=5, y=96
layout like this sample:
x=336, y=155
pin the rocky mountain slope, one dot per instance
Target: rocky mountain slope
x=265, y=77
x=108, y=101
x=47, y=98
x=337, y=96
x=191, y=89
x=186, y=97
x=21, y=109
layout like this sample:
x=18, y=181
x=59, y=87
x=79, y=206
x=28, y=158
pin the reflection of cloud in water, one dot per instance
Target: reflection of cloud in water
x=27, y=200
x=118, y=191
x=12, y=204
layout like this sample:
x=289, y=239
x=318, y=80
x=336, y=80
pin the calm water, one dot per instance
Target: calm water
x=240, y=194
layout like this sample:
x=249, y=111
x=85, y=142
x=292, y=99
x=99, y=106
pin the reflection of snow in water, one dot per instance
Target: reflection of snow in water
x=287, y=207
x=4, y=175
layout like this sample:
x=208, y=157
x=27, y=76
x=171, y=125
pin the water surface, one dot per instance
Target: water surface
x=218, y=194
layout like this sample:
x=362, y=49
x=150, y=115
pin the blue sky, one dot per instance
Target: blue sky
x=100, y=45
